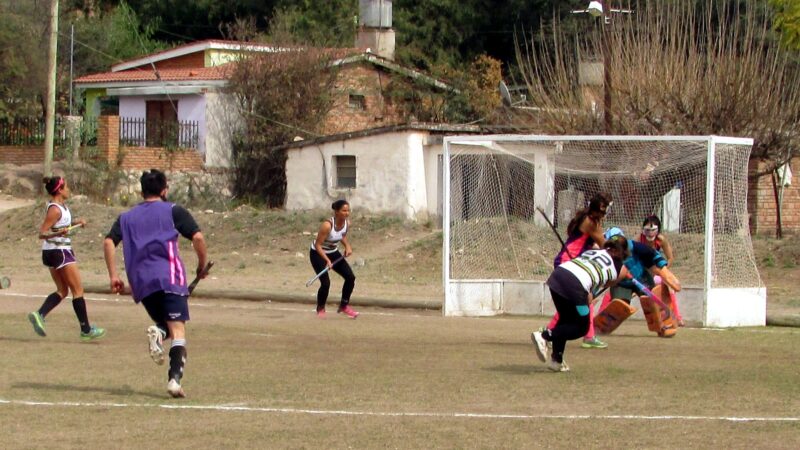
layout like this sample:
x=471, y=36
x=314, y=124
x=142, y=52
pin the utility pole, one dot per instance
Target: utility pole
x=50, y=113
x=605, y=36
x=71, y=54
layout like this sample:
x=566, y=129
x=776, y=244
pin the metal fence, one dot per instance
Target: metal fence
x=26, y=131
x=133, y=132
x=139, y=132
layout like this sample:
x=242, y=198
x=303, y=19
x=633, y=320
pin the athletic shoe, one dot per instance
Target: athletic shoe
x=540, y=345
x=681, y=323
x=37, y=321
x=593, y=343
x=321, y=313
x=174, y=388
x=94, y=333
x=155, y=338
x=351, y=313
x=558, y=366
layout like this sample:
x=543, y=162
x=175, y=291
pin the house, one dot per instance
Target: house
x=186, y=84
x=395, y=169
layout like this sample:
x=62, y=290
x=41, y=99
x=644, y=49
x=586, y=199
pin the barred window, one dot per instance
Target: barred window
x=345, y=171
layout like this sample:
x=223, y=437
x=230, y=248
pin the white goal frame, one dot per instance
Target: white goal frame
x=706, y=304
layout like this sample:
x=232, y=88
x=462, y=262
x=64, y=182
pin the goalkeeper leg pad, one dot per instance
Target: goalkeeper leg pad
x=612, y=316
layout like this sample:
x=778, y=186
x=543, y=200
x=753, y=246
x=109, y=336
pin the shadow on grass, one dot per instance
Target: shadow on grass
x=520, y=369
x=124, y=391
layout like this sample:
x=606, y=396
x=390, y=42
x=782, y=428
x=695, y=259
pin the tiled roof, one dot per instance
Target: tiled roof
x=195, y=46
x=221, y=72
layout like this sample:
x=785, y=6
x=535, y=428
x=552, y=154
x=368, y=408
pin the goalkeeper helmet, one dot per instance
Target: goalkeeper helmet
x=613, y=231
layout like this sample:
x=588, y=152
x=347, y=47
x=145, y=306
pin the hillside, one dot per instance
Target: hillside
x=267, y=250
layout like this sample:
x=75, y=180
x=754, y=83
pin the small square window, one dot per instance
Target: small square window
x=358, y=101
x=345, y=171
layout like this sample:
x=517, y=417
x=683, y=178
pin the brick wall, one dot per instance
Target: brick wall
x=191, y=60
x=761, y=203
x=143, y=158
x=21, y=155
x=367, y=80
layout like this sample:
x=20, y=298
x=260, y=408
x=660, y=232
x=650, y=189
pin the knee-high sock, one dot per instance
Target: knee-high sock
x=177, y=359
x=79, y=305
x=50, y=302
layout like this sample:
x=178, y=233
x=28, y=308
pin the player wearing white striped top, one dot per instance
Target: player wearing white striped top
x=58, y=256
x=573, y=285
x=325, y=253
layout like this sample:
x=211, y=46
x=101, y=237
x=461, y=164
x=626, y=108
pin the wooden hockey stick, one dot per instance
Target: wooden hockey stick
x=196, y=280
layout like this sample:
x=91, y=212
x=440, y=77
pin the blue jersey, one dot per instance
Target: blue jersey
x=642, y=257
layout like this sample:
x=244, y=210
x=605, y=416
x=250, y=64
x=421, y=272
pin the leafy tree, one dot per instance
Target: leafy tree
x=279, y=96
x=22, y=75
x=787, y=21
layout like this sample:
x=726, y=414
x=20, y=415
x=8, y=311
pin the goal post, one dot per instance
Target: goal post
x=498, y=250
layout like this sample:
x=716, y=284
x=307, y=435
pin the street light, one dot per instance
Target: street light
x=595, y=9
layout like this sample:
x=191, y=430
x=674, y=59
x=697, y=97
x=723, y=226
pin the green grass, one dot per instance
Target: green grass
x=279, y=363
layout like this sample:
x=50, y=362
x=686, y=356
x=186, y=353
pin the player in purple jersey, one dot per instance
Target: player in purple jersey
x=149, y=234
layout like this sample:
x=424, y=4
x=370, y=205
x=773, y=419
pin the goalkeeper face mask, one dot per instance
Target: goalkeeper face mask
x=650, y=232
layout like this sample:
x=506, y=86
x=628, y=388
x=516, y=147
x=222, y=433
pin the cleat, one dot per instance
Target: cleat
x=593, y=343
x=321, y=313
x=174, y=389
x=37, y=321
x=540, y=345
x=155, y=338
x=351, y=313
x=94, y=333
x=557, y=366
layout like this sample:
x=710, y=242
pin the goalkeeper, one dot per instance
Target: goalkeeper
x=642, y=264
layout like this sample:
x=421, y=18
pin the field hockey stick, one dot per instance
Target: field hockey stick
x=196, y=280
x=323, y=271
x=59, y=231
x=650, y=294
x=553, y=227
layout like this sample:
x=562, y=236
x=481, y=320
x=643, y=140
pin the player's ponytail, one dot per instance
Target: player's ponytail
x=53, y=184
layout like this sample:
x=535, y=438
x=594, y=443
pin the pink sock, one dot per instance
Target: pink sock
x=553, y=322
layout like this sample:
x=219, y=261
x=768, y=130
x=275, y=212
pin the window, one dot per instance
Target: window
x=345, y=171
x=358, y=101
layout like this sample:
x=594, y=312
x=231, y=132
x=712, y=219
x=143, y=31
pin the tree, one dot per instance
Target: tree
x=675, y=68
x=787, y=21
x=22, y=77
x=279, y=96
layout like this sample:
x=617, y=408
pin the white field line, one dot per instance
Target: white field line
x=435, y=415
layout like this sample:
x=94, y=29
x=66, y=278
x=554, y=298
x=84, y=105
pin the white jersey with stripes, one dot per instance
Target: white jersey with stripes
x=331, y=242
x=58, y=242
x=593, y=268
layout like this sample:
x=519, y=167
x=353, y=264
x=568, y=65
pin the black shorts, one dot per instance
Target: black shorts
x=568, y=286
x=58, y=258
x=167, y=307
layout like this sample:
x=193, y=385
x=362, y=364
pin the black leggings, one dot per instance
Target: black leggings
x=571, y=325
x=342, y=268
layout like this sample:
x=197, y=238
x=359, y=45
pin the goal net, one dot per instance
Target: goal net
x=500, y=192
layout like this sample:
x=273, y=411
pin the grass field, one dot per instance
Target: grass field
x=266, y=375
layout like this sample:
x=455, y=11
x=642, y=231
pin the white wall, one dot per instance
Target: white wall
x=392, y=174
x=221, y=122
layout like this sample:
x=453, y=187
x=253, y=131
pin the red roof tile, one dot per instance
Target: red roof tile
x=221, y=72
